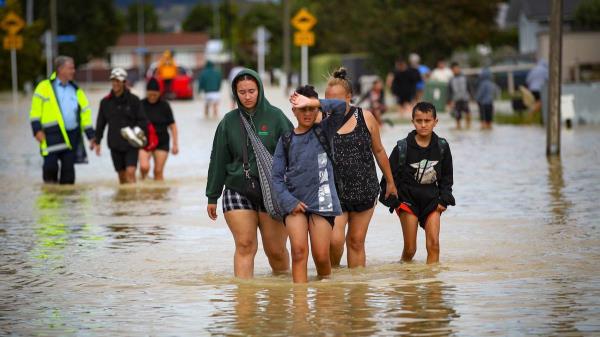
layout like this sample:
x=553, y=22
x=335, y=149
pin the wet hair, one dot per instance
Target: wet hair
x=308, y=91
x=245, y=77
x=340, y=77
x=424, y=107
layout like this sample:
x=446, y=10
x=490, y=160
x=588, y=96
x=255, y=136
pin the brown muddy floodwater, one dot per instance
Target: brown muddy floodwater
x=520, y=251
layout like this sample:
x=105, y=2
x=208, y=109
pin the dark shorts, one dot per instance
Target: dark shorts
x=329, y=219
x=123, y=159
x=460, y=107
x=233, y=200
x=419, y=201
x=357, y=207
x=163, y=142
x=486, y=112
x=536, y=94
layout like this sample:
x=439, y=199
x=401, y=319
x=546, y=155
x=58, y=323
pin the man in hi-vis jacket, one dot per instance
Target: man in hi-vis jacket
x=60, y=113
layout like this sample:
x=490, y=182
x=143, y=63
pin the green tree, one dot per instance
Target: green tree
x=587, y=15
x=199, y=19
x=151, y=24
x=95, y=24
x=267, y=15
x=30, y=63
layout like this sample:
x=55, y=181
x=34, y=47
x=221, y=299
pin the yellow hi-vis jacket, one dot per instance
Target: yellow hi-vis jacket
x=46, y=115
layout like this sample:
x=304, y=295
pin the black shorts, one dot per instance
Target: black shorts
x=233, y=200
x=486, y=112
x=536, y=94
x=460, y=107
x=163, y=142
x=123, y=159
x=421, y=200
x=329, y=219
x=357, y=207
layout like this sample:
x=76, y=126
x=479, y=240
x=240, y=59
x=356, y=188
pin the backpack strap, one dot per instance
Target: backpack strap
x=443, y=144
x=286, y=139
x=320, y=133
x=402, y=147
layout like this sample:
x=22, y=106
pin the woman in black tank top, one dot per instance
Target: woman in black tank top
x=354, y=146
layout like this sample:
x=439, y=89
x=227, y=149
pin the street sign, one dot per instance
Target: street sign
x=13, y=42
x=304, y=39
x=12, y=23
x=303, y=20
x=66, y=38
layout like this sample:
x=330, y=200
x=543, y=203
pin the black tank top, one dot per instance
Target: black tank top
x=355, y=172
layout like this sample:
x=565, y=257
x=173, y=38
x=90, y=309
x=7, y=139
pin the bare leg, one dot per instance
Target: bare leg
x=122, y=177
x=144, y=157
x=432, y=234
x=243, y=225
x=409, y=232
x=160, y=159
x=320, y=236
x=130, y=174
x=297, y=227
x=206, y=106
x=338, y=239
x=274, y=237
x=358, y=225
x=216, y=109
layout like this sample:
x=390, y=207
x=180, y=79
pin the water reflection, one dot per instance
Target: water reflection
x=422, y=305
x=141, y=201
x=57, y=227
x=415, y=302
x=558, y=204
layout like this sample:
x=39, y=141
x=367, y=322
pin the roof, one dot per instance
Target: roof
x=163, y=39
x=539, y=10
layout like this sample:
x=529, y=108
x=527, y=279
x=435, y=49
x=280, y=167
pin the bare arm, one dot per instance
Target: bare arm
x=379, y=152
x=175, y=140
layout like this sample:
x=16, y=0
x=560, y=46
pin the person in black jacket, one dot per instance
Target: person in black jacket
x=422, y=168
x=118, y=110
x=159, y=113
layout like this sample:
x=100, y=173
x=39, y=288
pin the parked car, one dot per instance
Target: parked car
x=182, y=86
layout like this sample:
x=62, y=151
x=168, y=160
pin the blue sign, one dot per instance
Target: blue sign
x=65, y=38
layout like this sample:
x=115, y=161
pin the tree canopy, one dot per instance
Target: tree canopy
x=151, y=24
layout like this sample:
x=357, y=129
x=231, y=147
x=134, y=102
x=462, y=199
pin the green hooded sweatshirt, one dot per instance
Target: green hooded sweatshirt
x=226, y=157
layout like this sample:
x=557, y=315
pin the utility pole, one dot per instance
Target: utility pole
x=54, y=28
x=216, y=20
x=29, y=15
x=554, y=92
x=286, y=44
x=141, y=42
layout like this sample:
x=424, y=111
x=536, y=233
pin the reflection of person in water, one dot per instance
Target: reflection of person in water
x=422, y=308
x=55, y=227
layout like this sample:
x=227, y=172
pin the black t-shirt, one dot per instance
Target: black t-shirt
x=159, y=114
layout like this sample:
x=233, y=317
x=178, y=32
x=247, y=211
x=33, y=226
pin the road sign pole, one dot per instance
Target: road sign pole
x=260, y=50
x=13, y=65
x=304, y=77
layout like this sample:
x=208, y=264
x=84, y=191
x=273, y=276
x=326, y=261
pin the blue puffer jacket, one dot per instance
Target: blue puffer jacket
x=306, y=172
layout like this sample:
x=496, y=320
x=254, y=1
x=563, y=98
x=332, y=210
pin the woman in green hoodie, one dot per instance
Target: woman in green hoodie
x=243, y=216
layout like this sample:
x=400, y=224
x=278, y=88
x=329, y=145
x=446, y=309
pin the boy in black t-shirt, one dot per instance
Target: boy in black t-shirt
x=422, y=168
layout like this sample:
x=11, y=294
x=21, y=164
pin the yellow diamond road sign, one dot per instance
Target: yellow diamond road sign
x=304, y=39
x=13, y=42
x=303, y=20
x=12, y=23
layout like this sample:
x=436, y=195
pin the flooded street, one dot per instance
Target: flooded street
x=520, y=253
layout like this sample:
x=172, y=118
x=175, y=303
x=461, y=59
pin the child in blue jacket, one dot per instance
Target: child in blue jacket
x=304, y=183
